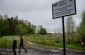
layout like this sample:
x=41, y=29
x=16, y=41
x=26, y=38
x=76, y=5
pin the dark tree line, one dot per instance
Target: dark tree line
x=14, y=26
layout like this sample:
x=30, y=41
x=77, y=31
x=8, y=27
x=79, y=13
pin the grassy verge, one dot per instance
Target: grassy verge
x=50, y=42
x=6, y=41
x=75, y=46
x=44, y=41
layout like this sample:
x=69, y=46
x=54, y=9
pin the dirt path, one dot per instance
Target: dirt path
x=39, y=47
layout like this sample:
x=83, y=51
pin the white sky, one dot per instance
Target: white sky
x=38, y=12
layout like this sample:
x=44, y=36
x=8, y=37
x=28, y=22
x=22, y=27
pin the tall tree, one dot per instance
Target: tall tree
x=13, y=26
x=70, y=25
x=5, y=26
x=81, y=28
x=1, y=22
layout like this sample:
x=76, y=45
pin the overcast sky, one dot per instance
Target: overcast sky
x=38, y=12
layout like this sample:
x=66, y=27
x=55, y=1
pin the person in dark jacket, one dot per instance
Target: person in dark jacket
x=21, y=45
x=14, y=46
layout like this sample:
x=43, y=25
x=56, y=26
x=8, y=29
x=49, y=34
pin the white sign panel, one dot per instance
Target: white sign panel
x=63, y=8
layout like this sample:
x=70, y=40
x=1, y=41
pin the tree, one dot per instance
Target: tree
x=5, y=26
x=70, y=25
x=42, y=30
x=13, y=26
x=30, y=28
x=81, y=28
x=19, y=29
x=1, y=22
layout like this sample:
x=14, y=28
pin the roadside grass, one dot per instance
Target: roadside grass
x=75, y=46
x=46, y=42
x=6, y=41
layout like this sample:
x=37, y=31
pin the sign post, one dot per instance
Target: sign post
x=64, y=48
x=63, y=8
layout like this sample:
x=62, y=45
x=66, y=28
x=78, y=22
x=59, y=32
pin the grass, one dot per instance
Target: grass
x=75, y=46
x=52, y=42
x=6, y=41
x=47, y=42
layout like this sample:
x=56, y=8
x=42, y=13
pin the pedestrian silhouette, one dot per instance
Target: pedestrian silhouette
x=14, y=46
x=21, y=45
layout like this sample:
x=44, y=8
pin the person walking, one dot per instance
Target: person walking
x=14, y=46
x=21, y=45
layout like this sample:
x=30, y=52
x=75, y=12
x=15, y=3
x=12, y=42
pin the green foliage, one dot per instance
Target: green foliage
x=75, y=46
x=46, y=40
x=13, y=26
x=42, y=30
x=7, y=41
x=50, y=41
x=81, y=28
x=38, y=41
x=19, y=29
x=70, y=25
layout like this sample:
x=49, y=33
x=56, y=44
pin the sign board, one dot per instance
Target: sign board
x=63, y=8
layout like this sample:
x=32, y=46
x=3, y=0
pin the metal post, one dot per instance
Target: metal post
x=64, y=49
